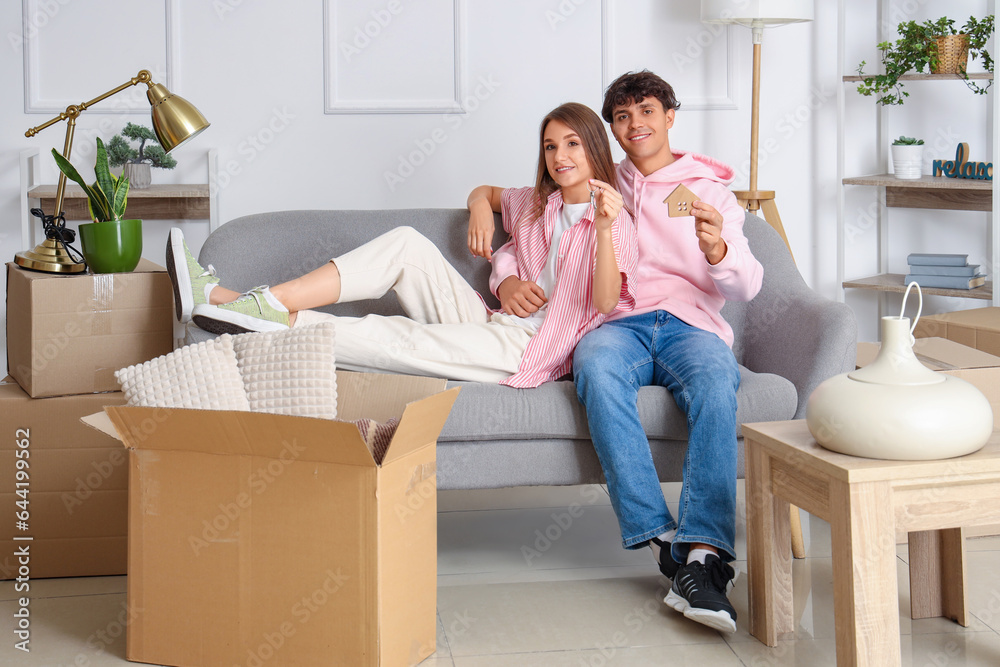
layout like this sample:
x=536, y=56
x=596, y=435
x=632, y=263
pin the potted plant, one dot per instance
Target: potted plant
x=110, y=243
x=907, y=157
x=136, y=162
x=936, y=47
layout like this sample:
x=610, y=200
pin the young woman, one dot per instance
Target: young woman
x=573, y=245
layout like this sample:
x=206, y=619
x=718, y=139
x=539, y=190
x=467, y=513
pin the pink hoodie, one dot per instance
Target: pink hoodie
x=673, y=273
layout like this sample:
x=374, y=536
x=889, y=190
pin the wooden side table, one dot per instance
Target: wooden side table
x=865, y=501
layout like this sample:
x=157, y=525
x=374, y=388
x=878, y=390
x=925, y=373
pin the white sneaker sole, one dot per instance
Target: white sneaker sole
x=181, y=278
x=717, y=620
x=218, y=321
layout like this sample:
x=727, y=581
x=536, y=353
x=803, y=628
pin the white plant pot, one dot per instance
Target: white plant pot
x=896, y=408
x=138, y=175
x=907, y=161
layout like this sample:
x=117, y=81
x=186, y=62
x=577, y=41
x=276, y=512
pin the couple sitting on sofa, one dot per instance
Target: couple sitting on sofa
x=581, y=254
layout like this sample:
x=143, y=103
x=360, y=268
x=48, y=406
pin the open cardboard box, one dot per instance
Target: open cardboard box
x=977, y=328
x=258, y=538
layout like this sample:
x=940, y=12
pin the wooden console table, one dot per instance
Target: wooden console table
x=865, y=501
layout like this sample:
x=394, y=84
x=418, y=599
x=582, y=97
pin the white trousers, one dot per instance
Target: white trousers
x=448, y=333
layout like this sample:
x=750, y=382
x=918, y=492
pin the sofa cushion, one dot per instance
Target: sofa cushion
x=551, y=411
x=492, y=412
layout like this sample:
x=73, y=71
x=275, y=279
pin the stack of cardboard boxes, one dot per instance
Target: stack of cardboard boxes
x=66, y=336
x=248, y=538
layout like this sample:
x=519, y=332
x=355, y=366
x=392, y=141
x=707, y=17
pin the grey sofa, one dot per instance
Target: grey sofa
x=788, y=340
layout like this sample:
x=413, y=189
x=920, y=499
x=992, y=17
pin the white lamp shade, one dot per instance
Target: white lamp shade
x=756, y=13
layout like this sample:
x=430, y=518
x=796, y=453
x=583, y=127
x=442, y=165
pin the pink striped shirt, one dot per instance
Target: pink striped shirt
x=570, y=311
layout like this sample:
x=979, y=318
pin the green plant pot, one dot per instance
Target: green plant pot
x=112, y=247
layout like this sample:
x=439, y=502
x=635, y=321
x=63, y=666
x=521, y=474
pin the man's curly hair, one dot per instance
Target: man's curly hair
x=635, y=87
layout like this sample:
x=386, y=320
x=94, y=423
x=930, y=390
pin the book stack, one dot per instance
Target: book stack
x=942, y=270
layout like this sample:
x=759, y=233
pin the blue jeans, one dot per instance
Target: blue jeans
x=699, y=370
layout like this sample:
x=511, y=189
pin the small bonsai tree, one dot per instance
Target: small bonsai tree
x=120, y=151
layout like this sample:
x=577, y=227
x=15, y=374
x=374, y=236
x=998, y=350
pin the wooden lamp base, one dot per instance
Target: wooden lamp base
x=754, y=200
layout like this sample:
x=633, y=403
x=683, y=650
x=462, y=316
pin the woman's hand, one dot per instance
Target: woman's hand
x=608, y=204
x=483, y=202
x=481, y=227
x=520, y=297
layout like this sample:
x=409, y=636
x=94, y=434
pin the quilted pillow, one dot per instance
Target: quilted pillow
x=203, y=376
x=290, y=372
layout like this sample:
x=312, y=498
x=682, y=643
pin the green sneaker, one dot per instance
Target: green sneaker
x=191, y=282
x=256, y=310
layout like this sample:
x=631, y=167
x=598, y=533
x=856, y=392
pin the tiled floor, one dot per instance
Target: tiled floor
x=537, y=577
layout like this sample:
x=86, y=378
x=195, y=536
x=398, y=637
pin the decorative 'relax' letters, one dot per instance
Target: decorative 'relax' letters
x=959, y=168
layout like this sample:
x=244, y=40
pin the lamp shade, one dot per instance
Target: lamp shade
x=756, y=13
x=175, y=120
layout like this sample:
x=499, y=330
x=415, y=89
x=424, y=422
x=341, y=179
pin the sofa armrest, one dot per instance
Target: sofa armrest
x=801, y=336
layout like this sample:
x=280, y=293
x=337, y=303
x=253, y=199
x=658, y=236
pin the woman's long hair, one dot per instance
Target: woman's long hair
x=588, y=126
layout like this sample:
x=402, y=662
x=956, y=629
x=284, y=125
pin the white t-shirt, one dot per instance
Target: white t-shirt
x=571, y=214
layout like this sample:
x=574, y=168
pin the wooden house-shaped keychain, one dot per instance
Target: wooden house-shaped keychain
x=679, y=202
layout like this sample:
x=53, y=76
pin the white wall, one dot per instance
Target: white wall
x=257, y=71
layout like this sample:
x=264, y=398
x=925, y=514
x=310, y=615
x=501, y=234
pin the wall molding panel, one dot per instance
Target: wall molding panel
x=40, y=75
x=610, y=69
x=338, y=100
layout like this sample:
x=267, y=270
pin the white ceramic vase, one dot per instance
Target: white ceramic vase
x=907, y=161
x=896, y=408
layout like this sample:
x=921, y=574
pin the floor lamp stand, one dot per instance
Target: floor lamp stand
x=753, y=199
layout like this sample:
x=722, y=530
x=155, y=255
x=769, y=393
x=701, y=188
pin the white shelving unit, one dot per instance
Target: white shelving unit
x=157, y=202
x=925, y=193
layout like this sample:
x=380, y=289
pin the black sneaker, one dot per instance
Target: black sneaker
x=668, y=566
x=699, y=592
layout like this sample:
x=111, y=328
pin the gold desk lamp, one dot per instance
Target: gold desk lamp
x=175, y=120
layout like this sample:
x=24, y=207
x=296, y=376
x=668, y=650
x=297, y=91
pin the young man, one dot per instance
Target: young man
x=676, y=338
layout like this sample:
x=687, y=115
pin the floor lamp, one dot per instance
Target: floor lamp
x=757, y=15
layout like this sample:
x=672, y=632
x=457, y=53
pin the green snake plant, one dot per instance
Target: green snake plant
x=108, y=196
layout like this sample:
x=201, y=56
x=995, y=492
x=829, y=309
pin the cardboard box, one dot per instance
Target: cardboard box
x=267, y=539
x=947, y=356
x=69, y=334
x=76, y=486
x=977, y=328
